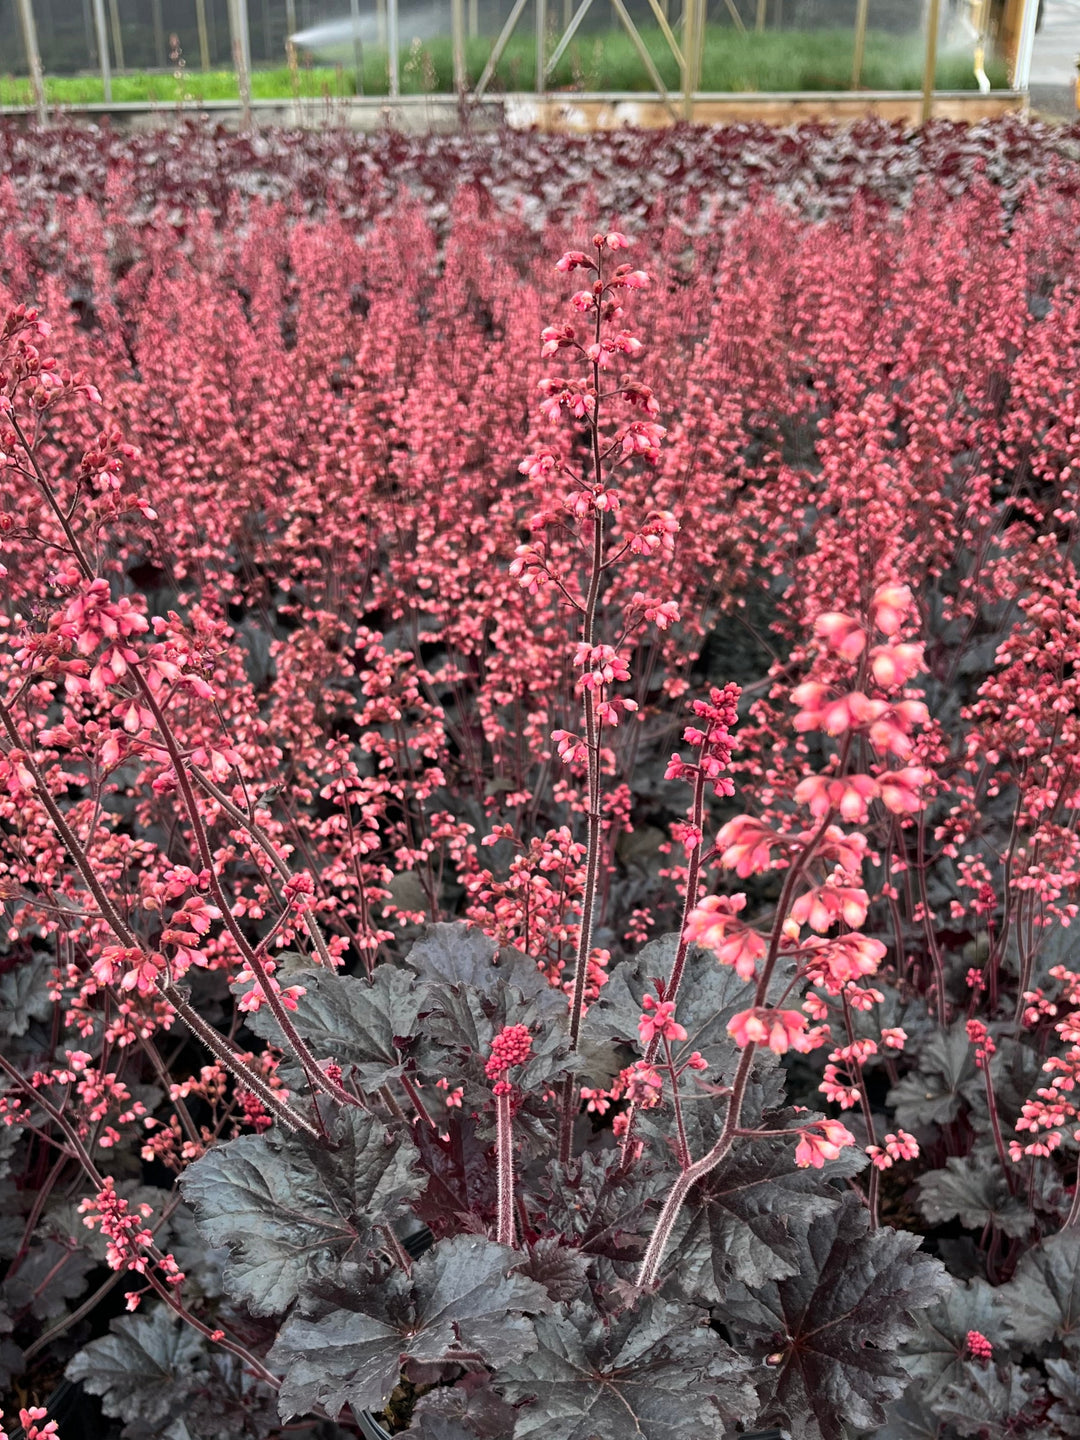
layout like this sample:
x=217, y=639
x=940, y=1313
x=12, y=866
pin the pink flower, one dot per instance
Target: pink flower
x=658, y=1021
x=901, y=789
x=835, y=963
x=746, y=845
x=643, y=1085
x=838, y=1091
x=894, y=665
x=844, y=636
x=643, y=437
x=602, y=665
x=826, y=905
x=814, y=1149
x=889, y=607
x=555, y=337
x=781, y=1030
x=713, y=924
x=597, y=1102
x=848, y=796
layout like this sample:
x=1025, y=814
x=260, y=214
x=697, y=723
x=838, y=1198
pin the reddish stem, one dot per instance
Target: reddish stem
x=504, y=1152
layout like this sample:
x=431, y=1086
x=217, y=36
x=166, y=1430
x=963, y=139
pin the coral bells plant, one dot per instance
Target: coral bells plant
x=573, y=945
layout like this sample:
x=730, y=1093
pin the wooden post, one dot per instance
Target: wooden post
x=357, y=45
x=930, y=69
x=103, y=49
x=204, y=38
x=541, y=45
x=33, y=59
x=117, y=37
x=860, y=43
x=759, y=20
x=393, y=45
x=457, y=44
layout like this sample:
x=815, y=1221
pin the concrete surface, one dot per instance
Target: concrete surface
x=1053, y=64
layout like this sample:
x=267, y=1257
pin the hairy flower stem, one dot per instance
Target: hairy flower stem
x=220, y=1048
x=1072, y=1220
x=504, y=1151
x=592, y=744
x=995, y=1126
x=316, y=1078
x=671, y=990
x=868, y=1117
x=676, y=1100
x=654, y=1254
x=269, y=849
x=658, y=1243
x=423, y=1113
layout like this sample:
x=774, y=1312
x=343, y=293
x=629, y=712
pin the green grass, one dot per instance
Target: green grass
x=776, y=61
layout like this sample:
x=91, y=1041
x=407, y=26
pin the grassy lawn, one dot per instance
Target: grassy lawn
x=779, y=60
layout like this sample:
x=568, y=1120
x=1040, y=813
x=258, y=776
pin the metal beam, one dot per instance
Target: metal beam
x=393, y=45
x=541, y=44
x=103, y=48
x=159, y=34
x=690, y=50
x=204, y=38
x=861, y=12
x=457, y=41
x=933, y=22
x=568, y=34
x=33, y=59
x=117, y=37
x=1021, y=77
x=358, y=46
x=736, y=18
x=668, y=33
x=643, y=51
x=498, y=48
x=241, y=54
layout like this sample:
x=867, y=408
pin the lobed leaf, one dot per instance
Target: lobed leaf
x=834, y=1327
x=349, y=1339
x=289, y=1208
x=142, y=1368
x=658, y=1373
